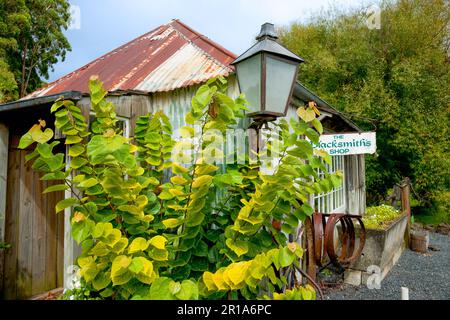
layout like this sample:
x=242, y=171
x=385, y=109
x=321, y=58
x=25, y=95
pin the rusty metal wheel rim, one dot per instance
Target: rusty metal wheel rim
x=362, y=240
x=318, y=237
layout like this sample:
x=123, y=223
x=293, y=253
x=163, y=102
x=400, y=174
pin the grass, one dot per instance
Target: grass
x=431, y=219
x=431, y=216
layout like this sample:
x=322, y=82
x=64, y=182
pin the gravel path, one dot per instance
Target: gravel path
x=426, y=275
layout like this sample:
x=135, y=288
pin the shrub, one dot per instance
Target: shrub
x=146, y=237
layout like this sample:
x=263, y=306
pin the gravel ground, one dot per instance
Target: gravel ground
x=426, y=275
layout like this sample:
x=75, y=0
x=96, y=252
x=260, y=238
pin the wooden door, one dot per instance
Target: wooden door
x=34, y=261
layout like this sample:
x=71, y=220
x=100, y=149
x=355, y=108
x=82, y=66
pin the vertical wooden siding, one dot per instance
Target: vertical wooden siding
x=33, y=262
x=4, y=142
x=355, y=183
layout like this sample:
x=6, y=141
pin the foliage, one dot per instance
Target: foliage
x=77, y=294
x=439, y=213
x=4, y=245
x=31, y=42
x=394, y=80
x=380, y=217
x=145, y=236
x=12, y=19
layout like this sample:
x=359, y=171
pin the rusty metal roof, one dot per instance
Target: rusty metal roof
x=169, y=57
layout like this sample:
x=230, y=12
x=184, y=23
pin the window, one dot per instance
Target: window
x=333, y=201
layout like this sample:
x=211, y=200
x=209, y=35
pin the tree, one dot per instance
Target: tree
x=200, y=234
x=394, y=80
x=31, y=42
x=13, y=18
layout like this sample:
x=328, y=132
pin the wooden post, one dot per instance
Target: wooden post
x=71, y=248
x=351, y=185
x=311, y=267
x=362, y=183
x=4, y=142
x=406, y=207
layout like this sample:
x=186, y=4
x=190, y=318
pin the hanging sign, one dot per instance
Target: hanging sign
x=348, y=143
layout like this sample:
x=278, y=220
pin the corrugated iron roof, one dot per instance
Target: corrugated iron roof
x=169, y=57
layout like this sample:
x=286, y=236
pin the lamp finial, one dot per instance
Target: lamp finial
x=267, y=31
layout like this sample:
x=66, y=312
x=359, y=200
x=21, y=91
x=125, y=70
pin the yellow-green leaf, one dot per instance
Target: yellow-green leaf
x=131, y=209
x=119, y=270
x=239, y=247
x=89, y=268
x=201, y=181
x=88, y=183
x=144, y=270
x=42, y=137
x=58, y=187
x=138, y=244
x=237, y=272
x=73, y=140
x=306, y=115
x=166, y=195
x=102, y=229
x=176, y=192
x=158, y=242
x=286, y=257
x=113, y=237
x=172, y=223
x=178, y=180
x=120, y=245
x=204, y=169
x=141, y=201
x=219, y=281
x=188, y=291
x=100, y=249
x=26, y=141
x=177, y=169
x=66, y=203
x=318, y=125
x=208, y=281
x=102, y=281
x=136, y=172
x=76, y=150
x=159, y=255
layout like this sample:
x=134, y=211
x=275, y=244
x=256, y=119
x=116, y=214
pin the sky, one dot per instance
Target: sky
x=104, y=25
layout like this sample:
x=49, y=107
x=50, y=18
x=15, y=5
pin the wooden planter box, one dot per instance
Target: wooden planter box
x=382, y=249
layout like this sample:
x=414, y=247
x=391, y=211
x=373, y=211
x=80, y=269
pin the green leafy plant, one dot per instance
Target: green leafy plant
x=380, y=217
x=198, y=233
x=4, y=245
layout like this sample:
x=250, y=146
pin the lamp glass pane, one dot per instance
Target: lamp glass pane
x=249, y=74
x=279, y=77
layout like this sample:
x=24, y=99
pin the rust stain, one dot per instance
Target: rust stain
x=169, y=57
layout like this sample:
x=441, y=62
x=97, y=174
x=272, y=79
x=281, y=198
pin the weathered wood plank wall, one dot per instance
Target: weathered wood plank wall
x=355, y=184
x=32, y=264
x=4, y=142
x=11, y=225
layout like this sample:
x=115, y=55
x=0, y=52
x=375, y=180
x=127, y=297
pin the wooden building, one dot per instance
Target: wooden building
x=159, y=70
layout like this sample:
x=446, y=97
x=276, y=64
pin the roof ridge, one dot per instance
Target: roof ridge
x=191, y=42
x=206, y=39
